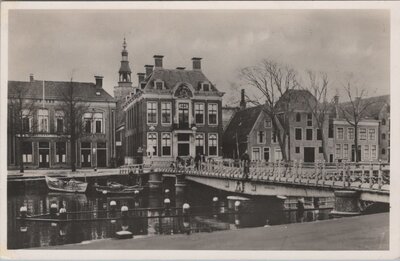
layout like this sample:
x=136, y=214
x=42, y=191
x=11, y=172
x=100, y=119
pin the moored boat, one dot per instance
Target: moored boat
x=116, y=188
x=72, y=185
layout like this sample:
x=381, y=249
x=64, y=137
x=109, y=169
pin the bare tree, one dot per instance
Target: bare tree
x=355, y=110
x=273, y=81
x=74, y=109
x=21, y=116
x=319, y=106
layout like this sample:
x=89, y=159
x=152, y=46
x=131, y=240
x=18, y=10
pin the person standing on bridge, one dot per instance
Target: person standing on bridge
x=246, y=167
x=197, y=161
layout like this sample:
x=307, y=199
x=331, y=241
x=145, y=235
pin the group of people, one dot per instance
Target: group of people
x=190, y=161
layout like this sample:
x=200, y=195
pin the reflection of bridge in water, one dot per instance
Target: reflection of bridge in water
x=348, y=183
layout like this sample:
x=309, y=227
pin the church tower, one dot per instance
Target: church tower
x=124, y=87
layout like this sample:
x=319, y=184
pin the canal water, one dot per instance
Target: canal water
x=210, y=210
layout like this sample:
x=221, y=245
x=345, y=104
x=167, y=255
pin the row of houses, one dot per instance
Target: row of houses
x=250, y=130
x=170, y=113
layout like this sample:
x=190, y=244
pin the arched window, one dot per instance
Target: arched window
x=43, y=120
x=383, y=151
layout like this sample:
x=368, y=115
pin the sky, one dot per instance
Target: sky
x=60, y=44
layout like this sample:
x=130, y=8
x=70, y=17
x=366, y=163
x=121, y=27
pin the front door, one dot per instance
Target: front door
x=44, y=152
x=183, y=144
x=85, y=158
x=309, y=154
x=353, y=153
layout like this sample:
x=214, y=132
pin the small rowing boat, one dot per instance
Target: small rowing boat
x=72, y=185
x=116, y=188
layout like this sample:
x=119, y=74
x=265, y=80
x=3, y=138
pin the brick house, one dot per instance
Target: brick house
x=173, y=112
x=46, y=144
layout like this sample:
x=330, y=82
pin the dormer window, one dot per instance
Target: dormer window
x=98, y=93
x=205, y=86
x=158, y=84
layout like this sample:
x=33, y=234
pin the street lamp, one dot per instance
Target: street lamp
x=94, y=159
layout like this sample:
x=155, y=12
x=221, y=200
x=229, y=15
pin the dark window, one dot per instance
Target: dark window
x=60, y=152
x=319, y=134
x=383, y=151
x=297, y=149
x=206, y=87
x=309, y=119
x=298, y=117
x=199, y=112
x=159, y=85
x=101, y=145
x=383, y=122
x=320, y=150
x=166, y=144
x=309, y=134
x=266, y=154
x=27, y=151
x=298, y=134
x=383, y=136
x=98, y=126
x=212, y=113
x=212, y=145
x=88, y=126
x=60, y=125
x=25, y=124
x=85, y=145
x=330, y=129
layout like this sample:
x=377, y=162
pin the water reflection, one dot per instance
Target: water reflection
x=147, y=215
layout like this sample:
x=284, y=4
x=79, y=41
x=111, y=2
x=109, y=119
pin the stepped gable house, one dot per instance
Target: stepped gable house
x=174, y=112
x=45, y=141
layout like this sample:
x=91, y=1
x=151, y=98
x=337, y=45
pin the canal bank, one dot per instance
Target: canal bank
x=369, y=232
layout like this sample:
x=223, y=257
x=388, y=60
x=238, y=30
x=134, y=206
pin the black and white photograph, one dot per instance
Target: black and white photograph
x=187, y=126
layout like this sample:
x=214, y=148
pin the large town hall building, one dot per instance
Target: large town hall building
x=173, y=112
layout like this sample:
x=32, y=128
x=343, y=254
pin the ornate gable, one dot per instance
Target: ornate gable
x=183, y=91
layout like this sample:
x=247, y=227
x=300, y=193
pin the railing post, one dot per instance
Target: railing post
x=362, y=175
x=380, y=176
x=371, y=174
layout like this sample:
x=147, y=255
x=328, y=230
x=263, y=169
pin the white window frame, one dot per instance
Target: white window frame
x=366, y=153
x=204, y=113
x=59, y=114
x=253, y=151
x=159, y=81
x=374, y=156
x=308, y=120
x=25, y=114
x=312, y=134
x=338, y=147
x=205, y=83
x=98, y=116
x=348, y=133
x=267, y=125
x=42, y=116
x=64, y=159
x=297, y=128
x=269, y=152
x=264, y=137
x=147, y=112
x=208, y=143
x=337, y=133
x=277, y=152
x=170, y=113
x=345, y=151
x=216, y=114
x=162, y=144
x=359, y=134
x=148, y=144
x=369, y=134
x=203, y=140
x=27, y=158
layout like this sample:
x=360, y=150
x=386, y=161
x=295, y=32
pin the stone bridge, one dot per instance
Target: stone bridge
x=365, y=181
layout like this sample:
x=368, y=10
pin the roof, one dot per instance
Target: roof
x=171, y=77
x=241, y=124
x=55, y=89
x=298, y=99
x=375, y=107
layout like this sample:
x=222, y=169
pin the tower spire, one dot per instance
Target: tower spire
x=124, y=70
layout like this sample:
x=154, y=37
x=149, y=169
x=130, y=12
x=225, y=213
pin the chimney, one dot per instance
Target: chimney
x=242, y=100
x=181, y=68
x=158, y=61
x=99, y=81
x=149, y=69
x=31, y=79
x=196, y=63
x=140, y=77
